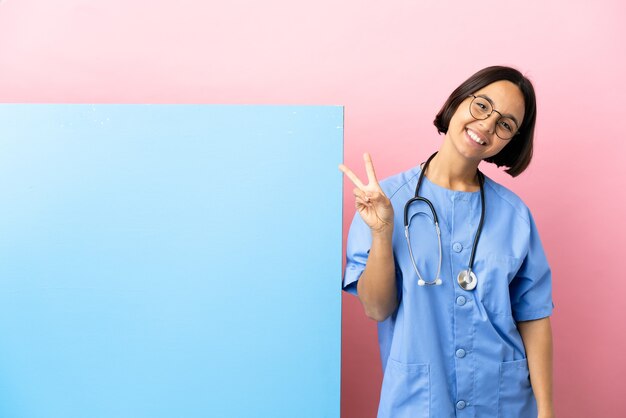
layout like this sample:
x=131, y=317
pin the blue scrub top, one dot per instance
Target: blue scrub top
x=448, y=352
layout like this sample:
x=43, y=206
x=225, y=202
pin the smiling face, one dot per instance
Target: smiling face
x=476, y=139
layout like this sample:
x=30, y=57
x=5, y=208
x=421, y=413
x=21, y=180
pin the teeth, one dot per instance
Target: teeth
x=475, y=137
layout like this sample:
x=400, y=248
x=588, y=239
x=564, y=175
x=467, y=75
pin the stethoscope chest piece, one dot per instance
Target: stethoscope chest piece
x=467, y=280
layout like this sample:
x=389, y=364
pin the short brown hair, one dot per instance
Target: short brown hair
x=517, y=154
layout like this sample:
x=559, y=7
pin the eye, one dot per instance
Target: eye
x=506, y=125
x=481, y=107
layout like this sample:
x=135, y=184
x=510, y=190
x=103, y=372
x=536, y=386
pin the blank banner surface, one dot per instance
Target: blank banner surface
x=170, y=261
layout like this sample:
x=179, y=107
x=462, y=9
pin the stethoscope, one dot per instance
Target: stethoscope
x=466, y=278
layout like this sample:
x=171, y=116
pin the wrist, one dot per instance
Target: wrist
x=384, y=232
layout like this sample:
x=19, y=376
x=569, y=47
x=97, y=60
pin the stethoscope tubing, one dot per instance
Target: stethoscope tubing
x=481, y=181
x=421, y=280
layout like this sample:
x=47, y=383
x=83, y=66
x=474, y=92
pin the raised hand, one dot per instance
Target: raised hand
x=371, y=202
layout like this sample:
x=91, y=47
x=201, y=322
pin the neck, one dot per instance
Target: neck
x=452, y=171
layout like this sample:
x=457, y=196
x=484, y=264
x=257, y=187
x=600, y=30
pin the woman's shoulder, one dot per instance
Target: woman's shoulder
x=505, y=198
x=397, y=185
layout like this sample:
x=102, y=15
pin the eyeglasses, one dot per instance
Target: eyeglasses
x=480, y=108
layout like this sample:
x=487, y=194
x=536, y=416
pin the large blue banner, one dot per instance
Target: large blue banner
x=170, y=261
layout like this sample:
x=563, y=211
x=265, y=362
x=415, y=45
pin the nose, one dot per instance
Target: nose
x=489, y=124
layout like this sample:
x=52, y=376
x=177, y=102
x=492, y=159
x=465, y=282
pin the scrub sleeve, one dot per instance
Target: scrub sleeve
x=531, y=290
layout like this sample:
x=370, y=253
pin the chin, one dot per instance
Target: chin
x=471, y=153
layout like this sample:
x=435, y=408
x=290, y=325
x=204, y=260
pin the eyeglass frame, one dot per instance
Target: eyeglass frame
x=474, y=97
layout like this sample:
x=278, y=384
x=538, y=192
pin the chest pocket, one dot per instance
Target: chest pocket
x=494, y=273
x=405, y=391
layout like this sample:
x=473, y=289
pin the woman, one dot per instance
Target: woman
x=464, y=326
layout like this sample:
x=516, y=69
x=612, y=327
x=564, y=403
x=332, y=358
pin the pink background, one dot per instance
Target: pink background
x=392, y=64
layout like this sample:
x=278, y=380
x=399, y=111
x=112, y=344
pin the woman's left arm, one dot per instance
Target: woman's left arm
x=537, y=337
